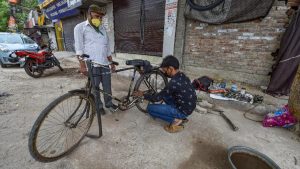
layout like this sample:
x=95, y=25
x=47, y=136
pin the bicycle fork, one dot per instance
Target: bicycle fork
x=97, y=101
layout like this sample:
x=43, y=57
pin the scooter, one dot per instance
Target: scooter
x=34, y=63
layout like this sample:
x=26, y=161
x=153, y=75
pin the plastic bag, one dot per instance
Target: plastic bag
x=282, y=117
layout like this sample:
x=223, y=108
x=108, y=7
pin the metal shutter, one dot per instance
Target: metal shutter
x=139, y=26
x=68, y=31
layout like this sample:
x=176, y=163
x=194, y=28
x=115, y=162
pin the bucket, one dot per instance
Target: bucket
x=241, y=157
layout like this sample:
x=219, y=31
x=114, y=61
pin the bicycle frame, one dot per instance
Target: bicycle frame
x=89, y=87
x=74, y=111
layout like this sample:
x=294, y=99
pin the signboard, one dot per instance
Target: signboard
x=45, y=3
x=60, y=9
x=74, y=3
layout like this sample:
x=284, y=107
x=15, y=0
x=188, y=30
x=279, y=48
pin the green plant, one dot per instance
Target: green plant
x=4, y=9
x=26, y=6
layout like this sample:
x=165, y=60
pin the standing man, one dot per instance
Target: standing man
x=91, y=39
x=179, y=96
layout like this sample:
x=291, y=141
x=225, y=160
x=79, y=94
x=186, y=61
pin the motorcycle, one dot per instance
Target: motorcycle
x=34, y=63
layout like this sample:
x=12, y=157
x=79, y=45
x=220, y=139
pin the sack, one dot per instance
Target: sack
x=282, y=117
x=227, y=11
x=202, y=83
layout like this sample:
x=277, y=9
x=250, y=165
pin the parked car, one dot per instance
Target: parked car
x=10, y=42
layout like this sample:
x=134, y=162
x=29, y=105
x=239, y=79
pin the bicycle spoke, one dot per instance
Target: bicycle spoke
x=46, y=141
x=151, y=83
x=54, y=142
x=59, y=114
x=54, y=118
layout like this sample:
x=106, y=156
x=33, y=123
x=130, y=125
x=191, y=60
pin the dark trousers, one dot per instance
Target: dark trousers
x=167, y=112
x=102, y=75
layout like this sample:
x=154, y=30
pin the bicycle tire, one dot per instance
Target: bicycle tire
x=138, y=84
x=40, y=123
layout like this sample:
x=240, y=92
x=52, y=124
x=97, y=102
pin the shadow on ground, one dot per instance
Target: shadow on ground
x=206, y=155
x=71, y=72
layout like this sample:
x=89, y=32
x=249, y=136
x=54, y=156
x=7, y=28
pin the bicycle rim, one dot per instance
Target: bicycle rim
x=151, y=83
x=54, y=133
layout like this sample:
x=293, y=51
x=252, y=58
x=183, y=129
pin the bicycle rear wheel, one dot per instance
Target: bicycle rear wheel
x=152, y=83
x=61, y=126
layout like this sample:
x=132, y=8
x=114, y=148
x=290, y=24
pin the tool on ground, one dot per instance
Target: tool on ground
x=208, y=108
x=233, y=126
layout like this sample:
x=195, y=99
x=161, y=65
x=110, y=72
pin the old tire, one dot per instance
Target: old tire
x=2, y=65
x=294, y=99
x=28, y=67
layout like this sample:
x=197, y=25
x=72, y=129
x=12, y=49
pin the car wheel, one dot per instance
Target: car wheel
x=2, y=65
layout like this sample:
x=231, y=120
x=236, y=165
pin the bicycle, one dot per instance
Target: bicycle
x=65, y=121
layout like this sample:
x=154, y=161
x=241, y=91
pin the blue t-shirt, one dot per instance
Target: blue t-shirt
x=182, y=92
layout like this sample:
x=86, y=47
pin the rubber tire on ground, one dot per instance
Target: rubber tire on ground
x=27, y=67
x=140, y=80
x=33, y=134
x=2, y=65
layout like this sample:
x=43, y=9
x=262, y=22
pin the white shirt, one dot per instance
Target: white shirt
x=89, y=41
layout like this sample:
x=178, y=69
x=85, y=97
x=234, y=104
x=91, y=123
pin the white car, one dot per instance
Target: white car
x=10, y=42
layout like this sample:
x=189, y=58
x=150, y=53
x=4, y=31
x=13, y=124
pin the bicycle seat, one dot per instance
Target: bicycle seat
x=136, y=62
x=144, y=65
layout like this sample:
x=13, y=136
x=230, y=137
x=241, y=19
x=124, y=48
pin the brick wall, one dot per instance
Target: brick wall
x=237, y=51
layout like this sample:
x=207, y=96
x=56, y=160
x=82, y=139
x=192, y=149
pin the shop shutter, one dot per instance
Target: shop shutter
x=139, y=26
x=68, y=31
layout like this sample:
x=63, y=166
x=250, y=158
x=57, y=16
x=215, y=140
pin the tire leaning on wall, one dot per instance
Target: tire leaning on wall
x=294, y=100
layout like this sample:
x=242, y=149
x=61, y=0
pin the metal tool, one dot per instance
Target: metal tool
x=233, y=126
x=209, y=108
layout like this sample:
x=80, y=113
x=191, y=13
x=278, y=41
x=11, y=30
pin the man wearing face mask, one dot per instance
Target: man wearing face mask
x=179, y=96
x=91, y=39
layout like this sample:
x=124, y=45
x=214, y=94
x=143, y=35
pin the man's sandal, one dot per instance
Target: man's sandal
x=174, y=128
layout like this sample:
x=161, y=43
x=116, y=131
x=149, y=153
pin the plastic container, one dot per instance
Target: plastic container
x=234, y=87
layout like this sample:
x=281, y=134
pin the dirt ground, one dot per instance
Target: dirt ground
x=130, y=139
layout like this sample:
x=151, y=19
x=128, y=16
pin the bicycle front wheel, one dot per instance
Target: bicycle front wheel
x=61, y=126
x=153, y=83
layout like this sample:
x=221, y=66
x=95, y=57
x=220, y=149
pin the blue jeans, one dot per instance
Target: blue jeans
x=103, y=76
x=167, y=112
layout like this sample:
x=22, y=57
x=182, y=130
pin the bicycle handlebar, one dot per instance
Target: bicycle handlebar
x=85, y=58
